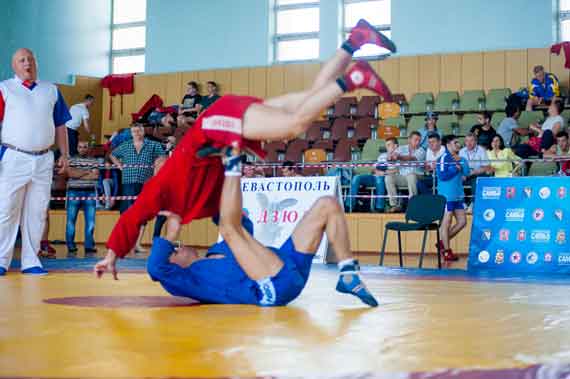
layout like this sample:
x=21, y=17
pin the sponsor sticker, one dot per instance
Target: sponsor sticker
x=504, y=234
x=561, y=192
x=528, y=192
x=521, y=235
x=564, y=259
x=484, y=256
x=491, y=193
x=538, y=214
x=544, y=193
x=561, y=236
x=559, y=214
x=486, y=235
x=500, y=257
x=511, y=192
x=531, y=258
x=516, y=257
x=514, y=214
x=489, y=214
x=540, y=236
x=548, y=257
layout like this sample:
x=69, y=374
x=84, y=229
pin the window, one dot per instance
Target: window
x=376, y=12
x=564, y=16
x=128, y=36
x=296, y=30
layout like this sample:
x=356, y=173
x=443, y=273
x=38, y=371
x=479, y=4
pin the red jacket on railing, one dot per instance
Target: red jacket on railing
x=118, y=84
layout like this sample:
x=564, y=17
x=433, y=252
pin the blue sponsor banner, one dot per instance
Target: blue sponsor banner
x=521, y=225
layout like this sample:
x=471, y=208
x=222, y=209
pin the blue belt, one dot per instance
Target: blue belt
x=11, y=147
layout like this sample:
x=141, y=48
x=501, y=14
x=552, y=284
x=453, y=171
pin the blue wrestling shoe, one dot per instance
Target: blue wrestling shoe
x=350, y=282
x=36, y=270
x=2, y=271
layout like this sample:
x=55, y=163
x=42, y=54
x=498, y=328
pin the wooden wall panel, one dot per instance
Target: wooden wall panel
x=203, y=77
x=293, y=78
x=494, y=70
x=258, y=82
x=389, y=71
x=224, y=80
x=558, y=69
x=471, y=71
x=429, y=73
x=240, y=81
x=369, y=233
x=450, y=73
x=537, y=57
x=409, y=76
x=189, y=76
x=516, y=69
x=95, y=113
x=174, y=89
x=275, y=81
x=310, y=72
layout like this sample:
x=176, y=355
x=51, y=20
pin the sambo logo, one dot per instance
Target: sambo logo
x=531, y=258
x=500, y=257
x=521, y=235
x=561, y=192
x=515, y=257
x=538, y=214
x=514, y=214
x=484, y=256
x=559, y=214
x=540, y=236
x=544, y=193
x=489, y=214
x=528, y=191
x=491, y=192
x=511, y=192
x=564, y=259
x=504, y=234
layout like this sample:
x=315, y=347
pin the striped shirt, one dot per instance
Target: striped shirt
x=86, y=165
x=128, y=155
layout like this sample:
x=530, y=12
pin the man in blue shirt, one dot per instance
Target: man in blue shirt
x=451, y=169
x=543, y=88
x=239, y=270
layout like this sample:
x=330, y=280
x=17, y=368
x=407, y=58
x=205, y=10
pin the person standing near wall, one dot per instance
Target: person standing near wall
x=33, y=115
x=79, y=115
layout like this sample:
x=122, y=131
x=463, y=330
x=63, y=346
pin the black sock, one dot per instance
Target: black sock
x=342, y=84
x=347, y=46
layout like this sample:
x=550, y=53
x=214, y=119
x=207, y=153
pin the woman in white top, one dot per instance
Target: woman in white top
x=555, y=123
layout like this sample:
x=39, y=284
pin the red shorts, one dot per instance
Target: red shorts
x=186, y=185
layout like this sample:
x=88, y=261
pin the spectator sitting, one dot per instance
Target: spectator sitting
x=430, y=127
x=160, y=117
x=484, y=131
x=562, y=145
x=476, y=157
x=543, y=88
x=170, y=145
x=405, y=175
x=251, y=171
x=212, y=96
x=376, y=177
x=108, y=184
x=501, y=158
x=83, y=175
x=190, y=102
x=139, y=155
x=79, y=115
x=434, y=151
x=510, y=126
x=290, y=170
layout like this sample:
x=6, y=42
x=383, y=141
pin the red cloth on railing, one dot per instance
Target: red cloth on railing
x=556, y=48
x=118, y=84
x=155, y=101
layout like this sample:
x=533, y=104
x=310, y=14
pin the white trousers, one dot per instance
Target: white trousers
x=25, y=190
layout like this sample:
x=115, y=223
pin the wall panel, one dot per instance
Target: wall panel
x=389, y=71
x=258, y=82
x=537, y=57
x=275, y=80
x=409, y=76
x=471, y=71
x=450, y=74
x=516, y=69
x=293, y=78
x=224, y=80
x=429, y=72
x=174, y=89
x=494, y=70
x=240, y=81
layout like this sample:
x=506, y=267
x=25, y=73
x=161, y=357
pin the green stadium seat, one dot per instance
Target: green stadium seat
x=416, y=123
x=566, y=116
x=419, y=103
x=530, y=117
x=466, y=123
x=472, y=101
x=447, y=123
x=497, y=118
x=399, y=122
x=370, y=152
x=495, y=100
x=543, y=169
x=445, y=101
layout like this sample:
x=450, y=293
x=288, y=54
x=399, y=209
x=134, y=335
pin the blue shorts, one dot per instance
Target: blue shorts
x=287, y=285
x=454, y=205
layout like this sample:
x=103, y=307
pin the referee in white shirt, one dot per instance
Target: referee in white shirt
x=79, y=115
x=33, y=115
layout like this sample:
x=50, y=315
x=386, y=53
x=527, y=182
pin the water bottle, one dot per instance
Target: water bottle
x=92, y=140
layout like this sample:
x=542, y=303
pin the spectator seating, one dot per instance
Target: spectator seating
x=340, y=127
x=370, y=152
x=344, y=149
x=398, y=122
x=530, y=117
x=415, y=124
x=367, y=106
x=315, y=132
x=326, y=145
x=420, y=103
x=472, y=101
x=295, y=150
x=497, y=118
x=566, y=116
x=446, y=101
x=363, y=128
x=447, y=123
x=388, y=110
x=543, y=169
x=275, y=151
x=466, y=123
x=496, y=99
x=314, y=156
x=345, y=107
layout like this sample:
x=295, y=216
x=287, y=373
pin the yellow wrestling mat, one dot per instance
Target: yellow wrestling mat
x=131, y=328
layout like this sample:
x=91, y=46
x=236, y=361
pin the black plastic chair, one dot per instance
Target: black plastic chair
x=424, y=212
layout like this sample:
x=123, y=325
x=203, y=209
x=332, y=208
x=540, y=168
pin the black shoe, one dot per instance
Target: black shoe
x=90, y=251
x=71, y=252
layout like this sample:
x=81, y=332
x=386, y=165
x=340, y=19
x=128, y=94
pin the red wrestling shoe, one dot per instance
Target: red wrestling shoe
x=46, y=251
x=449, y=256
x=362, y=75
x=364, y=33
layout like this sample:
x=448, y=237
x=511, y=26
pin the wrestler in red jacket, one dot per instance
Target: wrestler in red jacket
x=190, y=186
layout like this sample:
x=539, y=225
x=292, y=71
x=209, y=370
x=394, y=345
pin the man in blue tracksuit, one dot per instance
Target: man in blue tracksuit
x=451, y=169
x=239, y=270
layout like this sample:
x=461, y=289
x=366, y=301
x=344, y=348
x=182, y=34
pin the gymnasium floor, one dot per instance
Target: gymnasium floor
x=70, y=325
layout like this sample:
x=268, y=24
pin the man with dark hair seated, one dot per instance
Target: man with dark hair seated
x=190, y=105
x=484, y=131
x=289, y=169
x=211, y=97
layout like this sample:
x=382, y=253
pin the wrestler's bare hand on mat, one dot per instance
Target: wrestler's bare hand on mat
x=109, y=263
